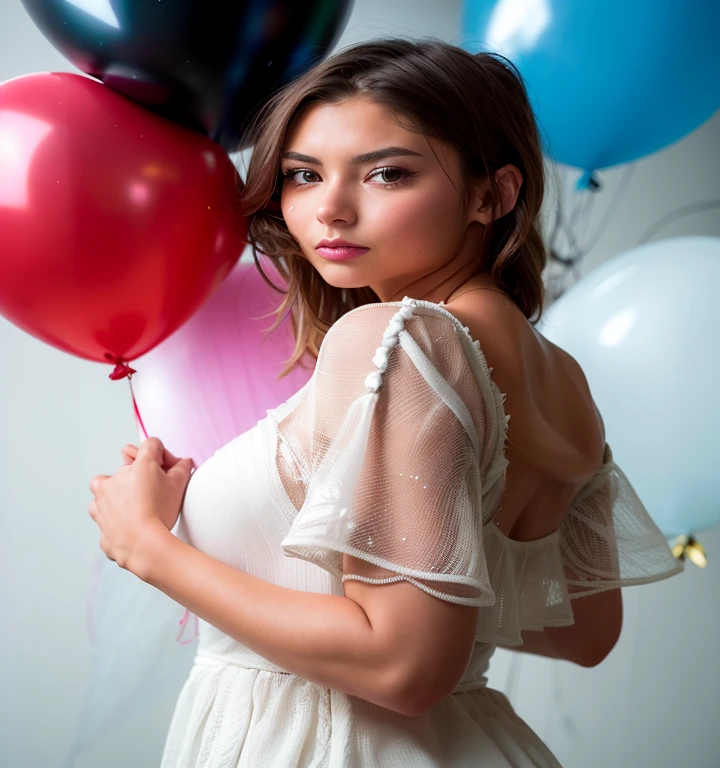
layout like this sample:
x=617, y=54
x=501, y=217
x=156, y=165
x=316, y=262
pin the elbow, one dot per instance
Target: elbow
x=607, y=635
x=426, y=681
x=405, y=699
x=594, y=661
x=417, y=694
x=599, y=654
x=589, y=662
x=411, y=707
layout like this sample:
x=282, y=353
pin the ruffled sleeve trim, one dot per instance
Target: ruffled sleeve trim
x=329, y=525
x=606, y=541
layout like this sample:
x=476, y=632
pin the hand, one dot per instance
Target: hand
x=143, y=498
x=129, y=453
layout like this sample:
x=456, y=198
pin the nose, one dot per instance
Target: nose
x=336, y=204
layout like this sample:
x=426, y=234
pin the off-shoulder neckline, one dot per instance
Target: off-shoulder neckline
x=499, y=399
x=446, y=313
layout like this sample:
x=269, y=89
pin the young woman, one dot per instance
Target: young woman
x=358, y=555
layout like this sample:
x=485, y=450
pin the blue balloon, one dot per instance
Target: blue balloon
x=610, y=80
x=643, y=326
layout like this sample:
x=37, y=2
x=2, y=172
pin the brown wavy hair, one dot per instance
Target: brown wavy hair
x=477, y=103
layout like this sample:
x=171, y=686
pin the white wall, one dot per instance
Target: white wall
x=653, y=703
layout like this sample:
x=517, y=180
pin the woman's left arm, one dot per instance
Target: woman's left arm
x=327, y=639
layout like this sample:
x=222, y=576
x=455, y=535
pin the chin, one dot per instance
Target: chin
x=339, y=278
x=344, y=283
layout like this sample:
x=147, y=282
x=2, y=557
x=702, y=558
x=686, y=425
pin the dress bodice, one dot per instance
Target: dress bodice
x=359, y=440
x=237, y=510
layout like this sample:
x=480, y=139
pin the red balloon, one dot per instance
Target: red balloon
x=116, y=224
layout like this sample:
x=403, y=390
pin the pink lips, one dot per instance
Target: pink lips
x=341, y=253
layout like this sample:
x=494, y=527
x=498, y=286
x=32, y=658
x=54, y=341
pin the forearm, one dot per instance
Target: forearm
x=539, y=643
x=326, y=639
x=566, y=643
x=597, y=627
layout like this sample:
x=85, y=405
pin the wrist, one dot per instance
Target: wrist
x=154, y=542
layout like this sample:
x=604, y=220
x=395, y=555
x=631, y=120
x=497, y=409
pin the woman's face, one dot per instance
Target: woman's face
x=401, y=206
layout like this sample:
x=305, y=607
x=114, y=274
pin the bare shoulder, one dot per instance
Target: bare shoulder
x=510, y=342
x=546, y=388
x=501, y=329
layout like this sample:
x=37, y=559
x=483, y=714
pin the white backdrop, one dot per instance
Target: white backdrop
x=651, y=704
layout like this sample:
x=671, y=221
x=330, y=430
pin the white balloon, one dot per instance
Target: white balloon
x=644, y=327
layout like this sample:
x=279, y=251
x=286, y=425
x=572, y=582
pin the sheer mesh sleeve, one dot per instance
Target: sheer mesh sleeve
x=394, y=457
x=399, y=473
x=608, y=539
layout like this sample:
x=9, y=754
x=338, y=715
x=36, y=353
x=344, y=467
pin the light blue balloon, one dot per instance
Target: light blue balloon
x=610, y=80
x=644, y=327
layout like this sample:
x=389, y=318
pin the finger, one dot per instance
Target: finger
x=96, y=483
x=170, y=459
x=152, y=449
x=129, y=453
x=106, y=548
x=166, y=458
x=181, y=469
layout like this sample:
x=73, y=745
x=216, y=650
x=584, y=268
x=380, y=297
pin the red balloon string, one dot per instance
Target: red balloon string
x=135, y=407
x=183, y=623
x=121, y=371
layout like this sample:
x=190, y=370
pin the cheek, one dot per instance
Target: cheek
x=289, y=208
x=293, y=219
x=418, y=221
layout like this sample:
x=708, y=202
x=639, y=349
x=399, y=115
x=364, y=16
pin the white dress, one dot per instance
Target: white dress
x=393, y=452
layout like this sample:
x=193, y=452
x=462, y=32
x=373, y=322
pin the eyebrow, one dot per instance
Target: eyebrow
x=368, y=157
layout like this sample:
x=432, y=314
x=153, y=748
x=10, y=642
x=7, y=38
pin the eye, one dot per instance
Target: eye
x=390, y=169
x=290, y=174
x=404, y=175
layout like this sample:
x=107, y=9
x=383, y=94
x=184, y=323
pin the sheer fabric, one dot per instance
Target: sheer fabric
x=401, y=467
x=389, y=473
x=606, y=540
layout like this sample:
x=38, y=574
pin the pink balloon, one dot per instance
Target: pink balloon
x=215, y=377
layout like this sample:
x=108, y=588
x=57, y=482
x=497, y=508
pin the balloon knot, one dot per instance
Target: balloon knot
x=688, y=546
x=121, y=370
x=588, y=180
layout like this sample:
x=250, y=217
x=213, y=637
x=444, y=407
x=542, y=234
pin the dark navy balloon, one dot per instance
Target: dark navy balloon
x=208, y=64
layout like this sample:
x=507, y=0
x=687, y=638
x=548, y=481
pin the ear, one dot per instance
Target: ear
x=509, y=181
